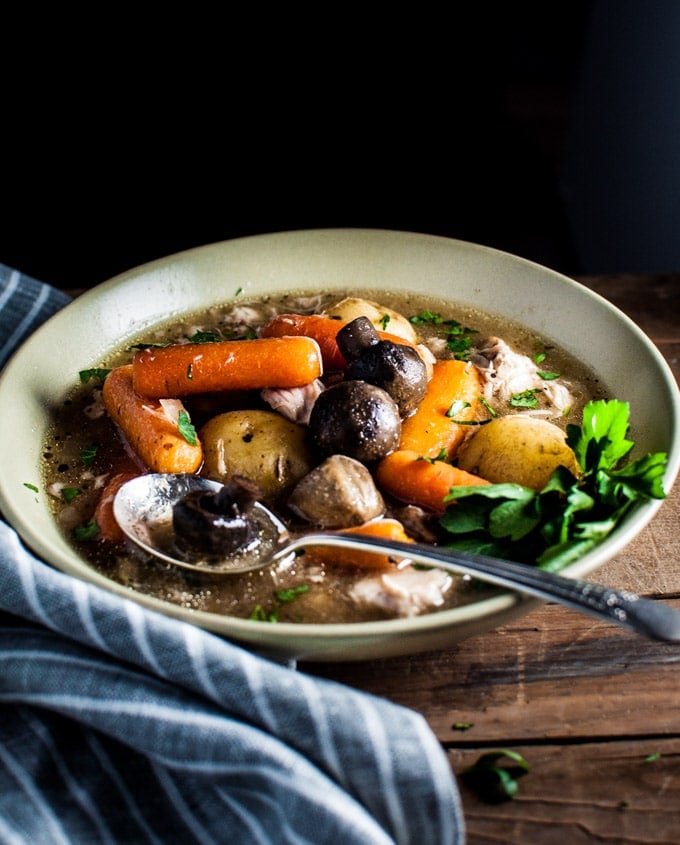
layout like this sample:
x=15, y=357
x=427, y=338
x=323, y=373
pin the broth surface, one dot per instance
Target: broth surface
x=305, y=589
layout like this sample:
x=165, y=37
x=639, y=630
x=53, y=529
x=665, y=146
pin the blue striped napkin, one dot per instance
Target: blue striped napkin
x=121, y=725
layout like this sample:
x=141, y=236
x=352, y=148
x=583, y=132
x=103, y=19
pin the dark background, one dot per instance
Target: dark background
x=127, y=145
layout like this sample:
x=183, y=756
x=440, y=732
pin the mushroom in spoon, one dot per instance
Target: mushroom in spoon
x=144, y=510
x=199, y=524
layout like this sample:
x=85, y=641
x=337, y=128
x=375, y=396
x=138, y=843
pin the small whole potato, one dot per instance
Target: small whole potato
x=384, y=319
x=261, y=445
x=519, y=449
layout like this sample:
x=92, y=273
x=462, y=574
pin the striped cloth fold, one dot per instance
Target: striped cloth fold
x=24, y=304
x=121, y=725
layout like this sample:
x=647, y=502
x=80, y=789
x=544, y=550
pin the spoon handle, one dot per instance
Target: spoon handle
x=621, y=607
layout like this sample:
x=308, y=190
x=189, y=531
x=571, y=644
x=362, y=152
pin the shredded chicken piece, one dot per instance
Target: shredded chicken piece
x=403, y=592
x=306, y=304
x=506, y=372
x=294, y=403
x=243, y=315
x=95, y=410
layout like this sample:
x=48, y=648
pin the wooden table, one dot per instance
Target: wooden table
x=595, y=711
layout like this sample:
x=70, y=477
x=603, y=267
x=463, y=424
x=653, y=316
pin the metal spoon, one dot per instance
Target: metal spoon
x=143, y=509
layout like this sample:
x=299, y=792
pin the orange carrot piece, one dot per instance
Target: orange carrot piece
x=151, y=434
x=429, y=430
x=324, y=330
x=109, y=530
x=406, y=476
x=388, y=529
x=190, y=368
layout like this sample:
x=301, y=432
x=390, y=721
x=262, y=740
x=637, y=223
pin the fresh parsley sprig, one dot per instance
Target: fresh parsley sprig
x=493, y=777
x=555, y=526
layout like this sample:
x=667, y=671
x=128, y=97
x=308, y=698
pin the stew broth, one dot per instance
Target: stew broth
x=84, y=448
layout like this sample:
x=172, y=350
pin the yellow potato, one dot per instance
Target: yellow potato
x=262, y=445
x=352, y=307
x=516, y=448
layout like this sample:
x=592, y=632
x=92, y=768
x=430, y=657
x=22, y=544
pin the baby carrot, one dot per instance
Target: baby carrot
x=109, y=530
x=389, y=529
x=408, y=477
x=452, y=394
x=189, y=368
x=152, y=435
x=324, y=330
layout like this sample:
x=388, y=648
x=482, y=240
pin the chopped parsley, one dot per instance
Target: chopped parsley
x=492, y=781
x=458, y=337
x=555, y=526
x=204, y=337
x=281, y=597
x=186, y=429
x=525, y=399
x=291, y=593
x=460, y=405
x=68, y=494
x=426, y=318
x=442, y=456
x=97, y=373
x=88, y=454
x=384, y=320
x=31, y=487
x=491, y=411
x=547, y=376
x=88, y=531
x=157, y=345
x=457, y=407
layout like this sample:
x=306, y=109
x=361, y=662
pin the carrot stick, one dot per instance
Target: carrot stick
x=429, y=430
x=109, y=530
x=324, y=330
x=389, y=529
x=406, y=476
x=152, y=435
x=189, y=368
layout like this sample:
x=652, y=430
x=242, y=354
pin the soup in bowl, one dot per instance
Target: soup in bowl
x=502, y=358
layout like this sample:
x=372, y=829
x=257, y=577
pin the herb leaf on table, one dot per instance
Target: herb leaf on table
x=554, y=526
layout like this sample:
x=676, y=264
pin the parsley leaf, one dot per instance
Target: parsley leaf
x=426, y=317
x=204, y=337
x=493, y=782
x=281, y=597
x=290, y=594
x=86, y=532
x=97, y=373
x=555, y=526
x=525, y=399
x=457, y=335
x=186, y=429
x=457, y=407
x=88, y=454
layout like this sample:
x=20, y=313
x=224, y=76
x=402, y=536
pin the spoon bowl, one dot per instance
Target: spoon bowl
x=143, y=508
